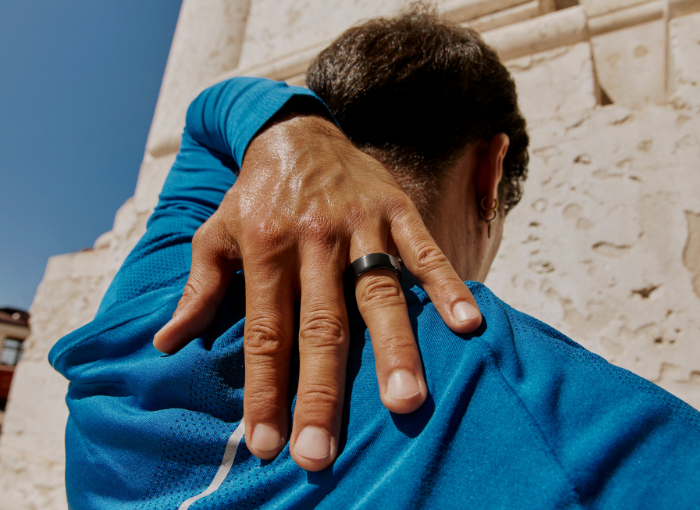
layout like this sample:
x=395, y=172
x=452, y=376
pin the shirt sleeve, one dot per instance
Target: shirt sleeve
x=221, y=122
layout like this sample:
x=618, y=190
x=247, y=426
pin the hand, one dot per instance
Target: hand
x=306, y=204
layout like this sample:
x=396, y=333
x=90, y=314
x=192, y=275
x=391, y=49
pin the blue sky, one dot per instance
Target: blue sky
x=79, y=81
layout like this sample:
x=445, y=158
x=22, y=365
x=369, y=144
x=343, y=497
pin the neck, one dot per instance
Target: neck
x=456, y=226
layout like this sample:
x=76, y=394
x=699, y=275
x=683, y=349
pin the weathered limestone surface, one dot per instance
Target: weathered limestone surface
x=599, y=7
x=31, y=445
x=557, y=29
x=207, y=42
x=631, y=64
x=685, y=83
x=29, y=482
x=512, y=15
x=691, y=253
x=555, y=82
x=685, y=51
x=463, y=10
x=277, y=28
x=280, y=27
x=605, y=245
x=597, y=249
x=636, y=15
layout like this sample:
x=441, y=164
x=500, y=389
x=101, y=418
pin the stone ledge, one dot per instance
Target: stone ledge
x=627, y=17
x=515, y=14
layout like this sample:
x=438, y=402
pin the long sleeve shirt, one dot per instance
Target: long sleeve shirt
x=518, y=415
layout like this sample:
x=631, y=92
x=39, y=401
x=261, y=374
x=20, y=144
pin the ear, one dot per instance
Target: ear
x=490, y=169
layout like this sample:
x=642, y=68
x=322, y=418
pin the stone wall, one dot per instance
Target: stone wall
x=605, y=245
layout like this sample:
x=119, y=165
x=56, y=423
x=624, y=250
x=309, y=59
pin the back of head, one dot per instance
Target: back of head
x=413, y=91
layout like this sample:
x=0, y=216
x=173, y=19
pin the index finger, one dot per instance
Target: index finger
x=214, y=262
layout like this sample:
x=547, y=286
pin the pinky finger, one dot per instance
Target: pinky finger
x=426, y=261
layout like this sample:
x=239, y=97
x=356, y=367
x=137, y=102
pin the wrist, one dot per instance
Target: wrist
x=295, y=129
x=302, y=113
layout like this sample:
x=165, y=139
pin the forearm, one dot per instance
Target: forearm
x=226, y=117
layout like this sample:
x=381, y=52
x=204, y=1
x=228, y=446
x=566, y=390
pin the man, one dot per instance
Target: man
x=513, y=415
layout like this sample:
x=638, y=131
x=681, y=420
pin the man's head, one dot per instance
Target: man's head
x=414, y=91
x=434, y=104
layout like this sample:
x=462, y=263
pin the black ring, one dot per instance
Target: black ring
x=374, y=261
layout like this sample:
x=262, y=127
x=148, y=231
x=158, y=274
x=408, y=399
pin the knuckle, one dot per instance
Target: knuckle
x=396, y=346
x=322, y=329
x=230, y=210
x=317, y=225
x=262, y=338
x=232, y=195
x=194, y=291
x=261, y=390
x=399, y=203
x=200, y=236
x=428, y=258
x=191, y=291
x=360, y=211
x=376, y=289
x=319, y=397
x=262, y=399
x=266, y=231
x=213, y=240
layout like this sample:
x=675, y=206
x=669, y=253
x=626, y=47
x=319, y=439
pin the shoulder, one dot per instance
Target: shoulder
x=535, y=359
x=609, y=431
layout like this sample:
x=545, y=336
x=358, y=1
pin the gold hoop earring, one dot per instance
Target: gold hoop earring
x=483, y=210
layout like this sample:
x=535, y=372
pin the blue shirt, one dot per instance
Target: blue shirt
x=518, y=415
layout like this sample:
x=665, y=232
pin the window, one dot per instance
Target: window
x=11, y=352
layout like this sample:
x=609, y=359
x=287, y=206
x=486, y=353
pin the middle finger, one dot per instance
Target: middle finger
x=323, y=350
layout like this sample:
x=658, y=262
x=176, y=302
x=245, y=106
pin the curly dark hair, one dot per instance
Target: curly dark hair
x=413, y=91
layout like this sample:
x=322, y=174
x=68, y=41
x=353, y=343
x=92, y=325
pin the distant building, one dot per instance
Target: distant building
x=14, y=329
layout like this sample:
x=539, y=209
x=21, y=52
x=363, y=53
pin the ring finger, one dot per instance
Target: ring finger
x=382, y=304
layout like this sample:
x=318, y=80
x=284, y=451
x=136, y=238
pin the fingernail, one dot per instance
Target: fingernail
x=463, y=311
x=313, y=443
x=265, y=438
x=402, y=384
